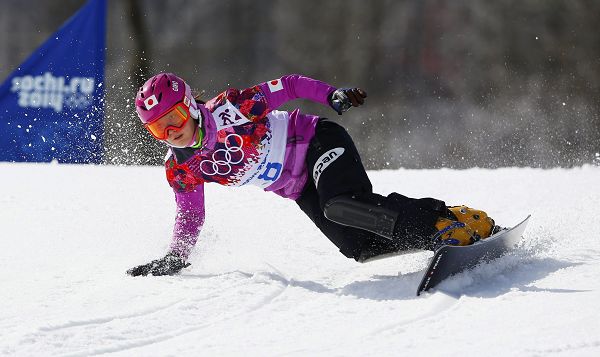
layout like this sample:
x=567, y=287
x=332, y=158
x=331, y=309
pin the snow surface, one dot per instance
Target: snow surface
x=264, y=281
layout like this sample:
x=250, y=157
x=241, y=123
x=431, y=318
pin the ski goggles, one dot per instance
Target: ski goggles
x=173, y=119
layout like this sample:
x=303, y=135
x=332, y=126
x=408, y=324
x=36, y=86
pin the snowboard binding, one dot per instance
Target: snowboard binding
x=463, y=226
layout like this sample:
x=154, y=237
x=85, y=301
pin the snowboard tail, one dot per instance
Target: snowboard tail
x=450, y=260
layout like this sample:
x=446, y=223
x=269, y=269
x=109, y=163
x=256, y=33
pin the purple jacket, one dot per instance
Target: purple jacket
x=246, y=141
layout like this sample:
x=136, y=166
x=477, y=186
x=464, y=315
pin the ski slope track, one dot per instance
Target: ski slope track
x=265, y=282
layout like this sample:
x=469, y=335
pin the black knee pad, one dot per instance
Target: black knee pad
x=362, y=212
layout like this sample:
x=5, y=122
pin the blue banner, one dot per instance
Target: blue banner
x=51, y=107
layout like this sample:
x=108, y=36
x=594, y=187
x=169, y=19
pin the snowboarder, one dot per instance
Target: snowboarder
x=240, y=138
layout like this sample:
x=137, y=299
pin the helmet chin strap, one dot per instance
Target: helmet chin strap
x=197, y=141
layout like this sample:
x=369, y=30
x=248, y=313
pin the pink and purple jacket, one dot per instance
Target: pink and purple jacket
x=246, y=141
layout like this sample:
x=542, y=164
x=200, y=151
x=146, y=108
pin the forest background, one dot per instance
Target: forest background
x=452, y=84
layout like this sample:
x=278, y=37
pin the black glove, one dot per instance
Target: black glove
x=169, y=265
x=342, y=99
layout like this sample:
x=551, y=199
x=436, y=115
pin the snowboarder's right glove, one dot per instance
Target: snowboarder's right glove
x=169, y=265
x=344, y=98
x=463, y=226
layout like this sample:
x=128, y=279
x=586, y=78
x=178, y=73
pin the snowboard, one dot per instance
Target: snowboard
x=450, y=260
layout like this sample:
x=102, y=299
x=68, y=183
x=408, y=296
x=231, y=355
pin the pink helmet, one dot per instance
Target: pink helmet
x=160, y=93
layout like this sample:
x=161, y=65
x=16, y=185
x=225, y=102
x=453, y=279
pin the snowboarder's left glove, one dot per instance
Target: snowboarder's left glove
x=169, y=265
x=344, y=98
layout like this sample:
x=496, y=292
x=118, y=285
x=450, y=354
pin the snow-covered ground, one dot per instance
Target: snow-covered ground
x=264, y=281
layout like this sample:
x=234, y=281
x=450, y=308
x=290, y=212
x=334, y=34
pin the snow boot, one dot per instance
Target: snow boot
x=463, y=226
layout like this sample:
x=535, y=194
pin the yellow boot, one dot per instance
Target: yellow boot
x=464, y=226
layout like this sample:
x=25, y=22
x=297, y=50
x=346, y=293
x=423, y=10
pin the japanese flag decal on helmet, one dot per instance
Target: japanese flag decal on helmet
x=150, y=102
x=324, y=161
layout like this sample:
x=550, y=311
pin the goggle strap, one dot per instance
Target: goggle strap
x=195, y=113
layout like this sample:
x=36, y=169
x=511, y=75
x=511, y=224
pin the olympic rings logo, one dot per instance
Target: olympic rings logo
x=222, y=159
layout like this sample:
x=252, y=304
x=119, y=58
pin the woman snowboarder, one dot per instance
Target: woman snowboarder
x=240, y=138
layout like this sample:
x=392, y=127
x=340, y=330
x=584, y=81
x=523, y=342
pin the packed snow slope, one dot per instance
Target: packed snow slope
x=265, y=282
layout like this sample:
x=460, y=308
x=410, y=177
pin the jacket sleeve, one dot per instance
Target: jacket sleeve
x=188, y=221
x=293, y=86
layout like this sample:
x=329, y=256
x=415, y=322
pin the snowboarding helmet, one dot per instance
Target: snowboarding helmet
x=159, y=96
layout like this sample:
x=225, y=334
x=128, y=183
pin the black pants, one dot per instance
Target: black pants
x=335, y=168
